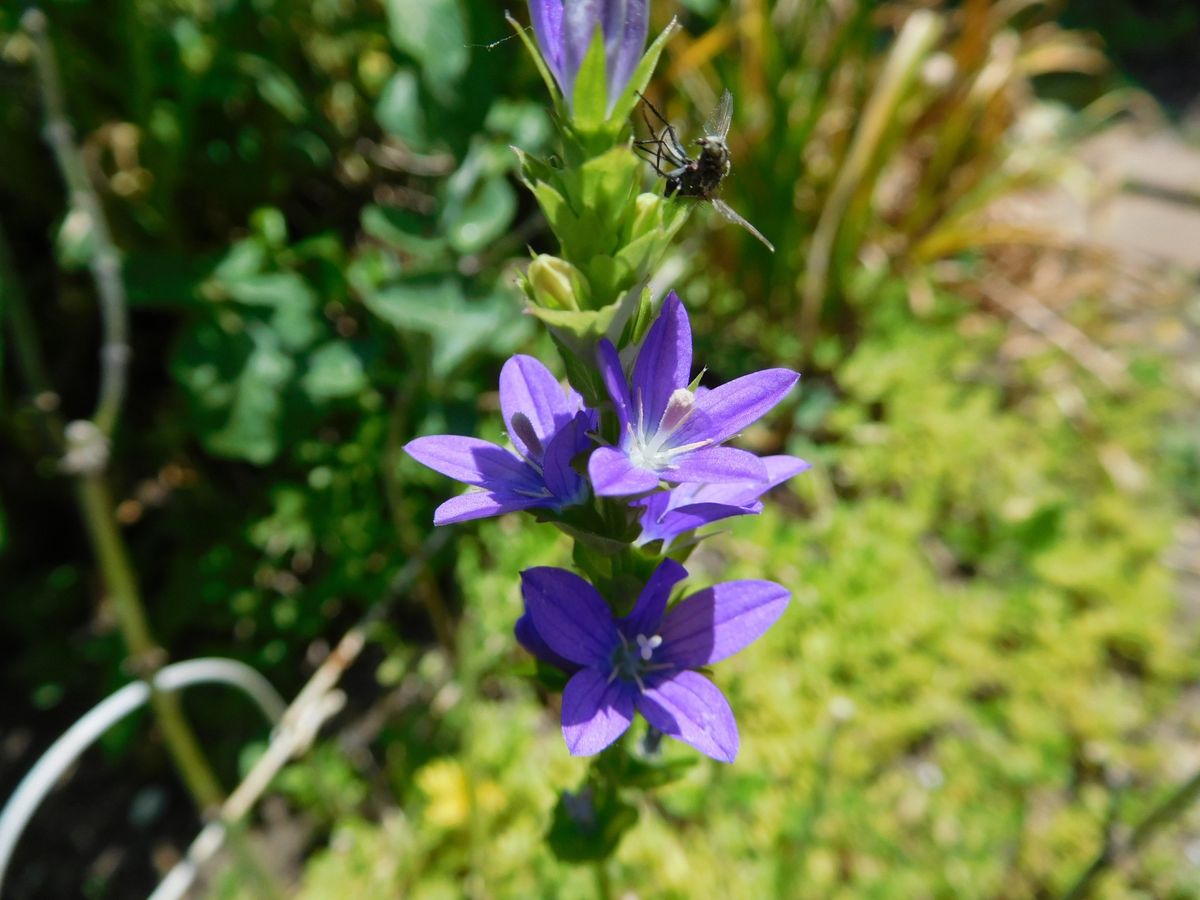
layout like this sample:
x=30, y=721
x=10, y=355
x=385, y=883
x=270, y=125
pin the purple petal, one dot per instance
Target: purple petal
x=470, y=460
x=561, y=478
x=724, y=411
x=628, y=51
x=613, y=475
x=609, y=363
x=689, y=707
x=716, y=464
x=647, y=613
x=546, y=16
x=581, y=18
x=528, y=388
x=595, y=712
x=740, y=494
x=717, y=622
x=782, y=467
x=480, y=505
x=528, y=637
x=664, y=364
x=675, y=522
x=570, y=615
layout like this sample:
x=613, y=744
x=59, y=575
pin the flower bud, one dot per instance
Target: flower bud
x=556, y=284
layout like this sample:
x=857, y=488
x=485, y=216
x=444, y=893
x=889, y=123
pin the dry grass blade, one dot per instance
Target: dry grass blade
x=1107, y=368
x=916, y=40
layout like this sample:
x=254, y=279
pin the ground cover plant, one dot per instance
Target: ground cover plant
x=965, y=666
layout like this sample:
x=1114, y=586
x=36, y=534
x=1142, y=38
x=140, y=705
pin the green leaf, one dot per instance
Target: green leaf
x=588, y=825
x=334, y=371
x=536, y=55
x=589, y=105
x=523, y=123
x=402, y=230
x=434, y=33
x=641, y=76
x=252, y=431
x=580, y=330
x=236, y=383
x=484, y=217
x=643, y=772
x=458, y=327
x=399, y=112
x=581, y=373
x=275, y=86
x=555, y=208
x=245, y=258
x=293, y=302
x=270, y=225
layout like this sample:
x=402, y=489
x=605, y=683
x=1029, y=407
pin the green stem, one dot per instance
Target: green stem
x=603, y=881
x=1114, y=851
x=145, y=656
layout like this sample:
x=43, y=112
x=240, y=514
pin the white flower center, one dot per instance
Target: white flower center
x=630, y=663
x=651, y=449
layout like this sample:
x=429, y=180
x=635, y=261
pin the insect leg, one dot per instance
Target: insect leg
x=677, y=153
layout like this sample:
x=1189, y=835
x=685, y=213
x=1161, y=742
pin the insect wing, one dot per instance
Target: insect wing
x=720, y=118
x=727, y=211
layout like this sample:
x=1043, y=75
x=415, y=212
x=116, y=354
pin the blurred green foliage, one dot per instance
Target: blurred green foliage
x=319, y=217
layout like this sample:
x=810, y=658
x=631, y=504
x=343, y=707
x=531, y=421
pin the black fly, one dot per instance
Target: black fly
x=701, y=176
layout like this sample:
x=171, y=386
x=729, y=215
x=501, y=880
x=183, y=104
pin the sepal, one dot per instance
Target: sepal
x=622, y=109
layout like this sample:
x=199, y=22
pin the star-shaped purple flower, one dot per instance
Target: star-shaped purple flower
x=565, y=31
x=645, y=661
x=670, y=433
x=668, y=514
x=548, y=426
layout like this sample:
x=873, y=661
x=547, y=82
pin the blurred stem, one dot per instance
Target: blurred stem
x=1116, y=851
x=603, y=881
x=96, y=508
x=92, y=492
x=141, y=68
x=145, y=656
x=105, y=264
x=791, y=857
x=411, y=541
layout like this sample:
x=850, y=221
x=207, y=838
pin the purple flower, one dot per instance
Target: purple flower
x=548, y=426
x=668, y=514
x=565, y=31
x=646, y=660
x=670, y=433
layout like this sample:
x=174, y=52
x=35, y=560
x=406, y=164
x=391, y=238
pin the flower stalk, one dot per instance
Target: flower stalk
x=633, y=460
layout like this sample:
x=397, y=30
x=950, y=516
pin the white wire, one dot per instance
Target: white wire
x=63, y=753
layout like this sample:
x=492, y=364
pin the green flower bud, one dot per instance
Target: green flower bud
x=556, y=284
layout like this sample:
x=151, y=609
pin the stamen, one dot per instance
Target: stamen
x=685, y=448
x=647, y=646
